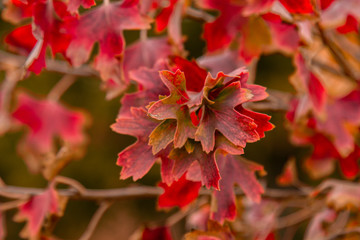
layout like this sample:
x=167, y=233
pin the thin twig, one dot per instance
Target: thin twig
x=129, y=193
x=13, y=60
x=344, y=233
x=72, y=183
x=299, y=216
x=201, y=15
x=60, y=88
x=95, y=220
x=336, y=52
x=11, y=205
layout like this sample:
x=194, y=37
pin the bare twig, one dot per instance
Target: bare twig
x=342, y=234
x=11, y=205
x=277, y=101
x=336, y=52
x=299, y=216
x=95, y=220
x=72, y=183
x=198, y=14
x=14, y=60
x=129, y=193
x=60, y=88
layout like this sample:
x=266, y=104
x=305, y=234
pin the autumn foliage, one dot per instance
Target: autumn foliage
x=193, y=117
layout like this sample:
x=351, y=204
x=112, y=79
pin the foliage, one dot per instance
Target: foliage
x=194, y=117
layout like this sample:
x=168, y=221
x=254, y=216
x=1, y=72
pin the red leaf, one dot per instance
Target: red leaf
x=208, y=168
x=145, y=53
x=74, y=5
x=158, y=233
x=37, y=208
x=188, y=190
x=289, y=175
x=226, y=62
x=222, y=31
x=235, y=170
x=136, y=159
x=325, y=4
x=298, y=6
x=222, y=116
x=162, y=19
x=342, y=121
x=47, y=120
x=194, y=75
x=351, y=25
x=170, y=108
x=306, y=82
x=105, y=25
x=150, y=88
x=21, y=39
x=285, y=36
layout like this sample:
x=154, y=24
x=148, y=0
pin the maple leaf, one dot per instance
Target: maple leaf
x=36, y=209
x=188, y=190
x=235, y=170
x=136, y=159
x=74, y=5
x=46, y=120
x=105, y=24
x=157, y=233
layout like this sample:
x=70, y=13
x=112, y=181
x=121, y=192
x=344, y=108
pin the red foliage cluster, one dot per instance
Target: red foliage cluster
x=194, y=117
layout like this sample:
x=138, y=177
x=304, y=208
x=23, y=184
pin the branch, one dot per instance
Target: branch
x=51, y=65
x=336, y=52
x=276, y=101
x=128, y=193
x=342, y=234
x=95, y=220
